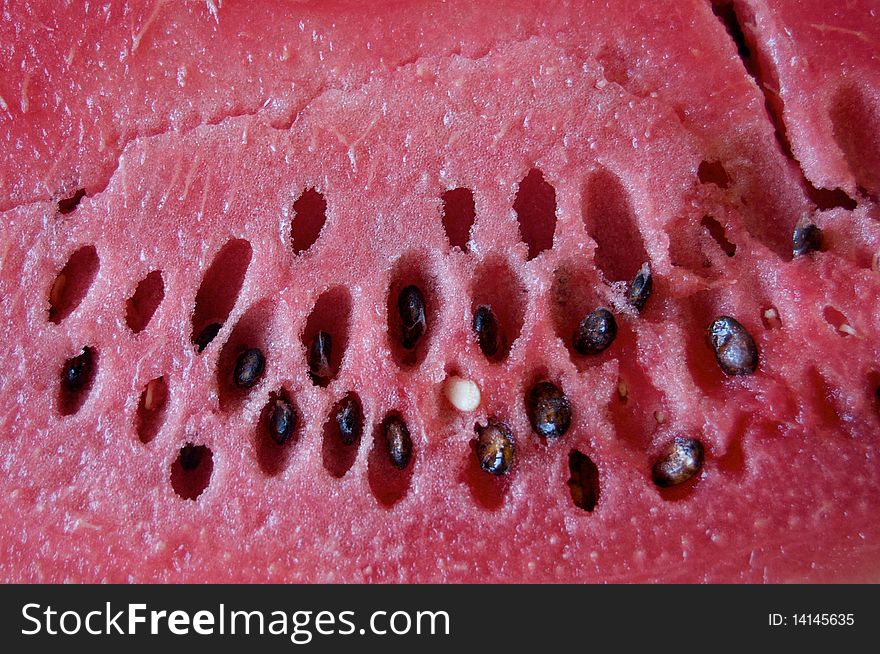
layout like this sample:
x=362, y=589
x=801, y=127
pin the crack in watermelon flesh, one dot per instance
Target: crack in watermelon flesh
x=287, y=170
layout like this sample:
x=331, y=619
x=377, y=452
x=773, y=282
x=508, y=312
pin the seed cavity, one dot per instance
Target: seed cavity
x=281, y=420
x=734, y=347
x=191, y=471
x=151, y=409
x=309, y=216
x=76, y=379
x=208, y=334
x=596, y=332
x=459, y=213
x=249, y=368
x=641, y=287
x=486, y=328
x=463, y=394
x=219, y=290
x=72, y=284
x=583, y=484
x=806, y=239
x=678, y=461
x=319, y=358
x=69, y=204
x=494, y=448
x=411, y=306
x=548, y=409
x=141, y=306
x=397, y=441
x=535, y=207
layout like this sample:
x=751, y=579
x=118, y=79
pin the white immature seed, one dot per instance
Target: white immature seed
x=57, y=290
x=847, y=329
x=463, y=394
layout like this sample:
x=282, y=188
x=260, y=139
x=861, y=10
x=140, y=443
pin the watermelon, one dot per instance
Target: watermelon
x=419, y=292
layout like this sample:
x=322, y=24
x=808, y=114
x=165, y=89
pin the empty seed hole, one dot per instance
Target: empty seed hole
x=535, y=207
x=245, y=357
x=191, y=471
x=219, y=291
x=497, y=288
x=76, y=379
x=718, y=234
x=277, y=432
x=389, y=482
x=342, y=435
x=325, y=336
x=583, y=484
x=409, y=327
x=612, y=224
x=71, y=202
x=72, y=283
x=713, y=172
x=309, y=216
x=151, y=409
x=458, y=216
x=141, y=306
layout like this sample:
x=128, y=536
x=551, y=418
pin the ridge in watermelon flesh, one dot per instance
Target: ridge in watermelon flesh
x=216, y=366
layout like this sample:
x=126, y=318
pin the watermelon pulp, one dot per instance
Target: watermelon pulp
x=276, y=171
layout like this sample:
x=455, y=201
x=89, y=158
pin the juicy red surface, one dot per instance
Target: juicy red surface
x=410, y=102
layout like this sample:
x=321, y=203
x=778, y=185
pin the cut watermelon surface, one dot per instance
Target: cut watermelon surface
x=246, y=245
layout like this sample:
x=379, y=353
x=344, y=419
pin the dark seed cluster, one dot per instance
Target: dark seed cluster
x=350, y=419
x=77, y=371
x=806, y=239
x=487, y=331
x=596, y=332
x=494, y=448
x=397, y=441
x=281, y=421
x=640, y=288
x=679, y=461
x=191, y=456
x=734, y=347
x=411, y=305
x=249, y=367
x=548, y=409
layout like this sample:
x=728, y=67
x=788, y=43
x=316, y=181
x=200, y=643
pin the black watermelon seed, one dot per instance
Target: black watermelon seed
x=319, y=358
x=77, y=371
x=596, y=332
x=486, y=329
x=397, y=441
x=641, y=287
x=495, y=448
x=679, y=461
x=350, y=419
x=281, y=421
x=191, y=456
x=806, y=239
x=549, y=410
x=208, y=334
x=249, y=367
x=734, y=347
x=411, y=306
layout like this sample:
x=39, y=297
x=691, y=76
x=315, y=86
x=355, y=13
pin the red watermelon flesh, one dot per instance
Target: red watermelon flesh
x=590, y=138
